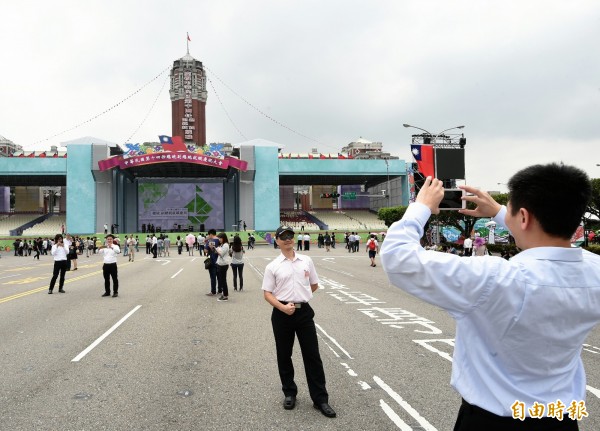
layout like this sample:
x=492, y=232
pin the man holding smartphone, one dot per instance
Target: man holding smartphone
x=520, y=323
x=288, y=285
x=109, y=253
x=59, y=251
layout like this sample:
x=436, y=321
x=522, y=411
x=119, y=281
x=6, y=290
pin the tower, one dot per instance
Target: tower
x=188, y=100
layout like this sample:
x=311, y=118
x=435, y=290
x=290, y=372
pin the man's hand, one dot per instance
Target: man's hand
x=289, y=308
x=486, y=205
x=431, y=194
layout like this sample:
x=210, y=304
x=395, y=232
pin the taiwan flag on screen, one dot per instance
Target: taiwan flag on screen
x=423, y=154
x=174, y=143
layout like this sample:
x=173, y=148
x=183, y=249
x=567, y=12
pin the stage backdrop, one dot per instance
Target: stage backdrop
x=166, y=205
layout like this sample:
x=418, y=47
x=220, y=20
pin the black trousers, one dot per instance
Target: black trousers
x=60, y=267
x=235, y=268
x=474, y=418
x=222, y=278
x=285, y=329
x=109, y=270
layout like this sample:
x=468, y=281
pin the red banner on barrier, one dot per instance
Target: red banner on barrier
x=169, y=157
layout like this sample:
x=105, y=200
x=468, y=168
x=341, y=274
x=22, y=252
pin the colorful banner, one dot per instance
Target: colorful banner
x=168, y=157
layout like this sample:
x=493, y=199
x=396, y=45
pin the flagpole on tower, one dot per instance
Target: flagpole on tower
x=188, y=43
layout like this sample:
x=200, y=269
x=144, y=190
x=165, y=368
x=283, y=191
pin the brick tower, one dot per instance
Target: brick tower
x=188, y=100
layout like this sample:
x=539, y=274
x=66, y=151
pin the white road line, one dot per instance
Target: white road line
x=334, y=341
x=593, y=391
x=364, y=385
x=394, y=417
x=415, y=414
x=8, y=276
x=103, y=336
x=177, y=273
x=256, y=269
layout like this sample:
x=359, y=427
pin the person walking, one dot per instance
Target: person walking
x=179, y=244
x=237, y=262
x=167, y=245
x=131, y=248
x=288, y=285
x=223, y=262
x=59, y=251
x=372, y=247
x=109, y=253
x=520, y=323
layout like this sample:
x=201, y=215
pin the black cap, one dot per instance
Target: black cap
x=282, y=229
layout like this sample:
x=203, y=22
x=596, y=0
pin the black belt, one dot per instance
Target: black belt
x=296, y=304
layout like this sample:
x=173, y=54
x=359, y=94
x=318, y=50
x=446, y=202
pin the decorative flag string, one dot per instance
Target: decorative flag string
x=225, y=110
x=150, y=110
x=89, y=120
x=266, y=115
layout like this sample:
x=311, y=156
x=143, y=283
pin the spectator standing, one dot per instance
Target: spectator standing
x=237, y=262
x=109, y=253
x=372, y=247
x=288, y=285
x=223, y=262
x=59, y=251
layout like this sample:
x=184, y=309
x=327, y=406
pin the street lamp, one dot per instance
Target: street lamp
x=431, y=134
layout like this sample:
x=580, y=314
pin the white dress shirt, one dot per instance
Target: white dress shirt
x=520, y=324
x=110, y=254
x=60, y=253
x=290, y=280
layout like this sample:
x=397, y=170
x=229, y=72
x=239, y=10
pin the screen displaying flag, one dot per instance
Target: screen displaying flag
x=424, y=156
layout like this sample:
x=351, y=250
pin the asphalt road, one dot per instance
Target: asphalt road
x=180, y=360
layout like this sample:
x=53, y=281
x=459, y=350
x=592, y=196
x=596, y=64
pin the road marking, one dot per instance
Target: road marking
x=407, y=407
x=8, y=276
x=593, y=391
x=334, y=341
x=394, y=417
x=25, y=280
x=103, y=336
x=177, y=273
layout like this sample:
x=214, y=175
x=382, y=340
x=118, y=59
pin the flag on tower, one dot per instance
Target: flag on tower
x=174, y=143
x=423, y=155
x=188, y=37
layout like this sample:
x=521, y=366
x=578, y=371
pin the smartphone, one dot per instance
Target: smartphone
x=453, y=200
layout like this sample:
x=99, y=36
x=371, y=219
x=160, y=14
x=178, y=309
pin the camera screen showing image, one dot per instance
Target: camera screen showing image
x=452, y=200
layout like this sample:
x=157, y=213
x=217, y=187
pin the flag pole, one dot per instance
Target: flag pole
x=187, y=41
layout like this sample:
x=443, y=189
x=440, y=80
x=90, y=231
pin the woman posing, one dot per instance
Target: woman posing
x=237, y=261
x=223, y=262
x=60, y=251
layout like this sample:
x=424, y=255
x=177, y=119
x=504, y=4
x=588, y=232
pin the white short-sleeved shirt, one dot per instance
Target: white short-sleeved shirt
x=290, y=280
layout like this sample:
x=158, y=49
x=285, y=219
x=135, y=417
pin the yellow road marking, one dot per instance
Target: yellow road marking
x=40, y=289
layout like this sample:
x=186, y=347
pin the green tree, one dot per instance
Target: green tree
x=594, y=205
x=390, y=215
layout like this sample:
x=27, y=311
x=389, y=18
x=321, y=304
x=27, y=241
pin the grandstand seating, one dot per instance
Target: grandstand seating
x=49, y=227
x=11, y=222
x=295, y=220
x=350, y=220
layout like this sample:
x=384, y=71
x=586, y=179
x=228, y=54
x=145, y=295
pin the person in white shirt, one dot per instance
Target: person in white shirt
x=60, y=250
x=130, y=244
x=109, y=253
x=288, y=285
x=520, y=323
x=468, y=246
x=154, y=246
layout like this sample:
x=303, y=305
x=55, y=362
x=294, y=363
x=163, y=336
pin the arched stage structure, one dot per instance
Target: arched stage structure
x=103, y=185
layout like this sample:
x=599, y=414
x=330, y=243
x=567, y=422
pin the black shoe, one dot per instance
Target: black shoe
x=235, y=289
x=50, y=292
x=115, y=295
x=325, y=409
x=289, y=402
x=106, y=294
x=61, y=291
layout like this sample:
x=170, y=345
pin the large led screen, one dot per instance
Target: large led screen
x=168, y=205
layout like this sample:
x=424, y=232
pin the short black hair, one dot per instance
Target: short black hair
x=212, y=232
x=110, y=235
x=556, y=195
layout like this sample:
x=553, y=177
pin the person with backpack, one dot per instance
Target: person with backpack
x=372, y=247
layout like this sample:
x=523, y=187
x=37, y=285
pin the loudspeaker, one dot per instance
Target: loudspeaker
x=450, y=163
